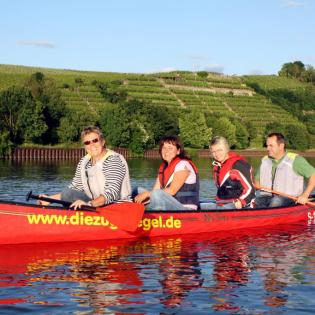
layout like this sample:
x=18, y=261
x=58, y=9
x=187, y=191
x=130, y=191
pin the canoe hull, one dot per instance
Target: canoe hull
x=24, y=223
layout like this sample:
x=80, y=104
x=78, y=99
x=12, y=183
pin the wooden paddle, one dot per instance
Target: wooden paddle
x=283, y=194
x=125, y=215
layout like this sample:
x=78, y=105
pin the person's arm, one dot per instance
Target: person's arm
x=302, y=199
x=257, y=178
x=46, y=203
x=177, y=182
x=242, y=173
x=302, y=167
x=114, y=172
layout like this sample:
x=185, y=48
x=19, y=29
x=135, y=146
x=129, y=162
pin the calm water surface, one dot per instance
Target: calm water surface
x=257, y=271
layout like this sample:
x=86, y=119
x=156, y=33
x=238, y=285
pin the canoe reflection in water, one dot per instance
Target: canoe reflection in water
x=237, y=272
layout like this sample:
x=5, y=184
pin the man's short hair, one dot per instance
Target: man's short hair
x=280, y=137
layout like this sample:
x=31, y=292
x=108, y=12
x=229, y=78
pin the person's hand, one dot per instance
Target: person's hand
x=140, y=198
x=42, y=202
x=238, y=204
x=78, y=204
x=303, y=199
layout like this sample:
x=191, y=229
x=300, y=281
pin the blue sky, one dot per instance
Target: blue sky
x=143, y=36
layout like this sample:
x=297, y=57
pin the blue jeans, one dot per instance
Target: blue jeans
x=215, y=206
x=71, y=195
x=160, y=200
x=273, y=201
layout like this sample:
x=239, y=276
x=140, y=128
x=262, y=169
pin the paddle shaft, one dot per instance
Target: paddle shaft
x=62, y=202
x=284, y=195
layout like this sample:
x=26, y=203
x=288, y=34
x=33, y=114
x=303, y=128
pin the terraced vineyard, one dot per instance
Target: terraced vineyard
x=182, y=90
x=274, y=82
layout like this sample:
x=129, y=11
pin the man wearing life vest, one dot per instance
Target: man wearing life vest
x=283, y=172
x=177, y=183
x=101, y=177
x=233, y=177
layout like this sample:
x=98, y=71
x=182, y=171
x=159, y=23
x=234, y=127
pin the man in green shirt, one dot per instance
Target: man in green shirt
x=284, y=172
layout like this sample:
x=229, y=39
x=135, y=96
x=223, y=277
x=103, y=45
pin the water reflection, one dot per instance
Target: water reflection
x=257, y=271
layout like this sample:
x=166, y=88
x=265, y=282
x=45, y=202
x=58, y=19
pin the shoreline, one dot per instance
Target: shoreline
x=77, y=153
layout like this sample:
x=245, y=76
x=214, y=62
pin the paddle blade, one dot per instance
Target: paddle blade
x=125, y=215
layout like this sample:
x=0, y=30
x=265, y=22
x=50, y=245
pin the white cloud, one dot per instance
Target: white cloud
x=293, y=4
x=40, y=43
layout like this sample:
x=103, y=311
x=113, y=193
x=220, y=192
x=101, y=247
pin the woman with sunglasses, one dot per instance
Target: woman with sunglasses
x=101, y=177
x=177, y=183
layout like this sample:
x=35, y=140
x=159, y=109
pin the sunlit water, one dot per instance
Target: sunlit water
x=254, y=271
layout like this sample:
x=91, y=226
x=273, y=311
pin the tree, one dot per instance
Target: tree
x=72, y=124
x=6, y=145
x=20, y=115
x=309, y=74
x=45, y=92
x=241, y=135
x=292, y=69
x=202, y=74
x=252, y=130
x=225, y=128
x=297, y=137
x=194, y=131
x=112, y=91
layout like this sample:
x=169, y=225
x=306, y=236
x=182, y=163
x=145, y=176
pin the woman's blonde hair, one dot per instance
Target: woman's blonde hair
x=90, y=129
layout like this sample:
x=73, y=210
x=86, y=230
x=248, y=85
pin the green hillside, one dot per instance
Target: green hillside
x=213, y=94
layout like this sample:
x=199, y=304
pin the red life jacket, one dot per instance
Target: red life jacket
x=166, y=170
x=188, y=193
x=220, y=170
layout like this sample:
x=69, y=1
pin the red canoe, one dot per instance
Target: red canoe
x=25, y=223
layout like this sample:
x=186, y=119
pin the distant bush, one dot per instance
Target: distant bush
x=66, y=86
x=202, y=74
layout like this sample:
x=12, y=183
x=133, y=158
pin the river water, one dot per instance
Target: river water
x=253, y=271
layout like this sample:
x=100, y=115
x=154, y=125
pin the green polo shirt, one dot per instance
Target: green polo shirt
x=300, y=166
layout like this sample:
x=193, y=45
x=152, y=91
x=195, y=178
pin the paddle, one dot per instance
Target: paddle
x=125, y=215
x=283, y=195
x=67, y=204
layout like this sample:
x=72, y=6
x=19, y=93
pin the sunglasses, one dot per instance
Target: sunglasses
x=91, y=141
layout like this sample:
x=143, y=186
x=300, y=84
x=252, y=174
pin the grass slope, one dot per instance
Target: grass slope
x=215, y=94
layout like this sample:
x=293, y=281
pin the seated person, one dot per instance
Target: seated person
x=283, y=172
x=232, y=176
x=101, y=177
x=177, y=183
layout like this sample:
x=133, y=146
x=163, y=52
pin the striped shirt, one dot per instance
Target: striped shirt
x=114, y=171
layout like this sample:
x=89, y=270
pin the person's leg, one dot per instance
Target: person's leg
x=279, y=201
x=72, y=195
x=137, y=190
x=262, y=199
x=160, y=200
x=215, y=206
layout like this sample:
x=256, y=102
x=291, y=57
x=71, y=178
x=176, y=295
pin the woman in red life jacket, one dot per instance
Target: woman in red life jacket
x=232, y=176
x=177, y=183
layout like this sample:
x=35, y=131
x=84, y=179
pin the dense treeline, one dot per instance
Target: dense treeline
x=36, y=113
